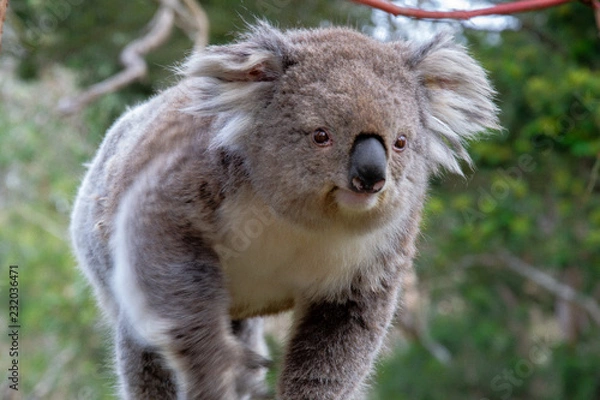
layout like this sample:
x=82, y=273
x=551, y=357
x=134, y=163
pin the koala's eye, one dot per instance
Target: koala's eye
x=321, y=138
x=401, y=143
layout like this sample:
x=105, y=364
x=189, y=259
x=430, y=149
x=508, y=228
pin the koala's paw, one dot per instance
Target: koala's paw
x=250, y=382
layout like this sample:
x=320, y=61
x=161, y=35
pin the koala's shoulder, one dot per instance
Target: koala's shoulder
x=144, y=136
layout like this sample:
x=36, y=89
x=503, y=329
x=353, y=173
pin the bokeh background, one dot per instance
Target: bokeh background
x=504, y=301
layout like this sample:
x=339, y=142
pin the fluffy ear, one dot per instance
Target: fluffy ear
x=458, y=99
x=259, y=56
x=229, y=82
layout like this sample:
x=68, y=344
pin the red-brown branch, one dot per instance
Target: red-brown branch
x=596, y=6
x=500, y=9
x=3, y=9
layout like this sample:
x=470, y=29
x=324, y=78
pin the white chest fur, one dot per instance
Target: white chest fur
x=270, y=263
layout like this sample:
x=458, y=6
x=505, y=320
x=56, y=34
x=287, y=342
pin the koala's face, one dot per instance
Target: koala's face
x=337, y=128
x=340, y=140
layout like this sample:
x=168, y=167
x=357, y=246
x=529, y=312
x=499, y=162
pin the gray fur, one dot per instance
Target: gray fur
x=209, y=206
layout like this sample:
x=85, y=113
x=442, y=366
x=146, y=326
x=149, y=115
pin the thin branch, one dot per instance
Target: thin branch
x=596, y=7
x=132, y=58
x=542, y=279
x=594, y=175
x=190, y=16
x=198, y=21
x=410, y=320
x=42, y=220
x=500, y=9
x=3, y=8
x=192, y=19
x=48, y=380
x=544, y=38
x=437, y=350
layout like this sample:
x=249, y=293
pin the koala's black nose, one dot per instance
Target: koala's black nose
x=367, y=165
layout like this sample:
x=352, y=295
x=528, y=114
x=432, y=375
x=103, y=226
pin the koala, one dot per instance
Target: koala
x=284, y=171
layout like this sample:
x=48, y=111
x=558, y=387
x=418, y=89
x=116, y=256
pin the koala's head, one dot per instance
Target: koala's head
x=336, y=127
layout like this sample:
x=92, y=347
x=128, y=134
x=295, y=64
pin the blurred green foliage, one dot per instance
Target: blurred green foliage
x=41, y=161
x=534, y=194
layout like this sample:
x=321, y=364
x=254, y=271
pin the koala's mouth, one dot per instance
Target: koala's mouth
x=350, y=200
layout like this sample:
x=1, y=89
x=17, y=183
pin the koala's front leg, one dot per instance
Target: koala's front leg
x=335, y=344
x=180, y=311
x=171, y=293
